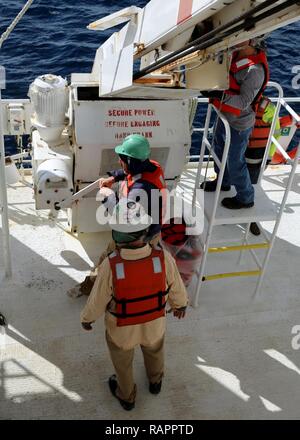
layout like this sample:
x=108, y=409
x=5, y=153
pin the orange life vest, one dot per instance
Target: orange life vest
x=156, y=178
x=139, y=288
x=260, y=134
x=234, y=87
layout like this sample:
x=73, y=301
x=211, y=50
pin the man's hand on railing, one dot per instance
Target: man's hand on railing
x=106, y=182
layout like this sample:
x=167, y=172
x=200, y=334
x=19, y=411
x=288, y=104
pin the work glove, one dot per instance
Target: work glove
x=87, y=326
x=179, y=313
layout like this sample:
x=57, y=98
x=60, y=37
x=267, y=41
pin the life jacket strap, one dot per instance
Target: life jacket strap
x=161, y=305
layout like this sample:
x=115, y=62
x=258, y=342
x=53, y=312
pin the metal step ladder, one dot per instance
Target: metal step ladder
x=218, y=216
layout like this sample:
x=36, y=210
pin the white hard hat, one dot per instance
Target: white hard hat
x=129, y=216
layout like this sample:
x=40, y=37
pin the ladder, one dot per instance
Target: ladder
x=264, y=209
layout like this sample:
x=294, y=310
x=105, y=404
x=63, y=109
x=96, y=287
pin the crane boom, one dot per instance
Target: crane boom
x=164, y=36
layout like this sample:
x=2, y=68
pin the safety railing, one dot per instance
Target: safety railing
x=3, y=193
x=284, y=102
x=245, y=245
x=4, y=204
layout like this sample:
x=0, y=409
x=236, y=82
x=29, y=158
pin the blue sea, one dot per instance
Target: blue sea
x=52, y=38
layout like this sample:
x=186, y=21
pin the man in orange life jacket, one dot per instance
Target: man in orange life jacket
x=249, y=75
x=132, y=288
x=259, y=138
x=139, y=176
x=141, y=180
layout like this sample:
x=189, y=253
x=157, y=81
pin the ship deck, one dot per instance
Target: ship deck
x=230, y=358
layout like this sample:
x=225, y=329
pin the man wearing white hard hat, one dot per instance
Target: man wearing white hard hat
x=133, y=286
x=139, y=178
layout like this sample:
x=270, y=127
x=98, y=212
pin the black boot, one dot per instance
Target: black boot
x=233, y=203
x=155, y=388
x=211, y=185
x=113, y=385
x=254, y=229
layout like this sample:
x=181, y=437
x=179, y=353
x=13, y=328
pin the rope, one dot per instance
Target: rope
x=10, y=28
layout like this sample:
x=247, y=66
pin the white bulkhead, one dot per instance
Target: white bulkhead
x=102, y=124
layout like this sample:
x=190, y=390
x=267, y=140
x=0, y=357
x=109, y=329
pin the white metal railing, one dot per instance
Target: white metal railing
x=280, y=102
x=3, y=190
x=4, y=204
x=221, y=166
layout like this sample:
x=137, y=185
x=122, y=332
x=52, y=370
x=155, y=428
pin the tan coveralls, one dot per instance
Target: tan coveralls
x=121, y=341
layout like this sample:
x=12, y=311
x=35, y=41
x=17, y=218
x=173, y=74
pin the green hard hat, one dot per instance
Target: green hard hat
x=135, y=146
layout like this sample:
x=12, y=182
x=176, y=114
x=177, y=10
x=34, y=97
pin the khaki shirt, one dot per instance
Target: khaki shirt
x=100, y=302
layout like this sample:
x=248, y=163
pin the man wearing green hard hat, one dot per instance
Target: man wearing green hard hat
x=140, y=179
x=135, y=146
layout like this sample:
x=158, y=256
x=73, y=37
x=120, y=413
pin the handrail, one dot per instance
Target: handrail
x=292, y=99
x=4, y=204
x=3, y=189
x=295, y=99
x=281, y=102
x=218, y=188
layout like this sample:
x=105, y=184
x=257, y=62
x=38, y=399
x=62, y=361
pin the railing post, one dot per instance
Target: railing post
x=3, y=202
x=216, y=200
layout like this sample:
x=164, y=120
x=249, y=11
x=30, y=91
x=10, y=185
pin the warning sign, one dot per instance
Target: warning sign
x=136, y=120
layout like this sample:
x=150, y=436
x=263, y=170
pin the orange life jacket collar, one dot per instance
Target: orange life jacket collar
x=156, y=178
x=237, y=65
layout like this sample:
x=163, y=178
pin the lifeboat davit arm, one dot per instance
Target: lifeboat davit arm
x=168, y=38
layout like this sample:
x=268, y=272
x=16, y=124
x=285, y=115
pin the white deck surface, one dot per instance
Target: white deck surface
x=231, y=358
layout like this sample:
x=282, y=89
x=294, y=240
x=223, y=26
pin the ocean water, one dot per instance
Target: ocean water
x=52, y=38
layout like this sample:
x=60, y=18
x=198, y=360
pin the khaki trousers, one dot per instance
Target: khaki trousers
x=123, y=364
